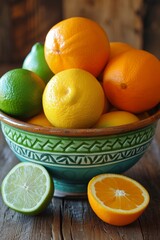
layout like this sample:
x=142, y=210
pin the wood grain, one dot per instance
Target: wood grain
x=24, y=23
x=5, y=27
x=122, y=20
x=152, y=27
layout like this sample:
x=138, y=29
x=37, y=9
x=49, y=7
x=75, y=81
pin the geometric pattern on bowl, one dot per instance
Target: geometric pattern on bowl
x=73, y=161
x=82, y=151
x=74, y=156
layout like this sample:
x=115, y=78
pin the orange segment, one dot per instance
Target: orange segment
x=117, y=199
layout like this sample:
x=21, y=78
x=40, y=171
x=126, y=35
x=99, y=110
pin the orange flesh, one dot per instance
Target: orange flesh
x=114, y=193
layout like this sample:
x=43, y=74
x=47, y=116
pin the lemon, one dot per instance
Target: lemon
x=35, y=61
x=116, y=118
x=73, y=98
x=27, y=188
x=21, y=93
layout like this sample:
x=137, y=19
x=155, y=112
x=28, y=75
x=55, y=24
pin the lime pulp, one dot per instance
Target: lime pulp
x=27, y=188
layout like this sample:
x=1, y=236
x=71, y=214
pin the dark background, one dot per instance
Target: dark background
x=24, y=22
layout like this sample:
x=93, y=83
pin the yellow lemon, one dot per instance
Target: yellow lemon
x=73, y=98
x=116, y=118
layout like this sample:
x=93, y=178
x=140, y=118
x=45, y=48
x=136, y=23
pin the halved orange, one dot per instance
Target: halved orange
x=117, y=199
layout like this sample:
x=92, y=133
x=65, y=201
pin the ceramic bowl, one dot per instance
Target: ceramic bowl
x=74, y=156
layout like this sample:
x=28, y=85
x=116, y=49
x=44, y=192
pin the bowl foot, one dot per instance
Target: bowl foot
x=69, y=190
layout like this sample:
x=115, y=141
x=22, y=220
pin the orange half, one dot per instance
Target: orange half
x=117, y=199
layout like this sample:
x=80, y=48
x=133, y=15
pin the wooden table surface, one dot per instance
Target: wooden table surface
x=69, y=219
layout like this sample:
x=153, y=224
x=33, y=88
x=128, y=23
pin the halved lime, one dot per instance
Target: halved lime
x=27, y=188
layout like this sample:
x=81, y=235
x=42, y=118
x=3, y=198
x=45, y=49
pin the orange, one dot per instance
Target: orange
x=116, y=118
x=131, y=81
x=117, y=48
x=77, y=42
x=21, y=93
x=40, y=120
x=117, y=199
x=73, y=98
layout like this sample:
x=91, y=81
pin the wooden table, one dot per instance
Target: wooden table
x=69, y=219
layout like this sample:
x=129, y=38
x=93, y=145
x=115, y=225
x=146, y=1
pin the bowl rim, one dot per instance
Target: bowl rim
x=90, y=132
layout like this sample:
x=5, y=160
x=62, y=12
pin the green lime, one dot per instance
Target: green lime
x=21, y=93
x=27, y=188
x=35, y=61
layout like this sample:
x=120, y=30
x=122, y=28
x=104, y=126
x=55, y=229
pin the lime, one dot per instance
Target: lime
x=35, y=61
x=27, y=188
x=21, y=93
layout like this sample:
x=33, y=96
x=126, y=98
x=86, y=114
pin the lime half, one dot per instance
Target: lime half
x=27, y=188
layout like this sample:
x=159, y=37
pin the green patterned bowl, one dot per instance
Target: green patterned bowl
x=74, y=156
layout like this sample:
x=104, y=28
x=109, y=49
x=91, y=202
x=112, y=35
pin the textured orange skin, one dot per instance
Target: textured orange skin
x=117, y=48
x=77, y=43
x=131, y=81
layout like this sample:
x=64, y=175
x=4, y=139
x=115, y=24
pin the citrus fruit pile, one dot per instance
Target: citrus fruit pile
x=77, y=78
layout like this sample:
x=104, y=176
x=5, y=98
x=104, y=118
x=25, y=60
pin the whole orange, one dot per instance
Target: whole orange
x=117, y=48
x=77, y=42
x=131, y=81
